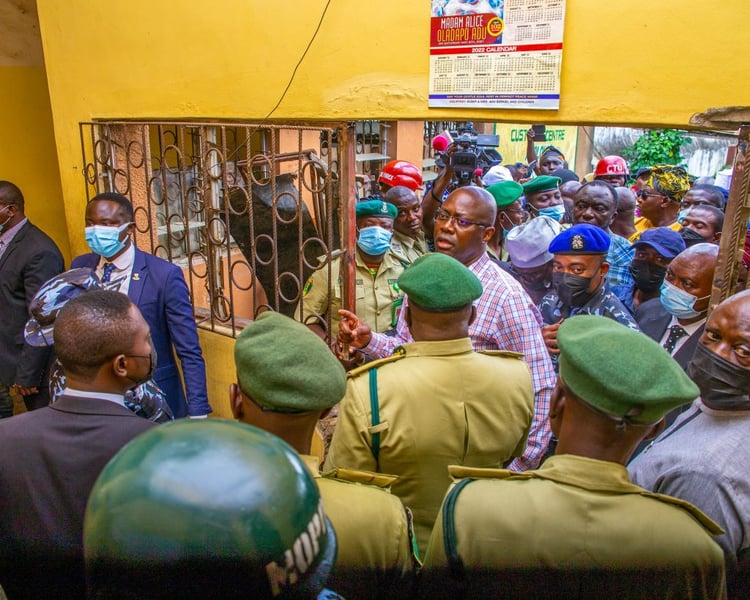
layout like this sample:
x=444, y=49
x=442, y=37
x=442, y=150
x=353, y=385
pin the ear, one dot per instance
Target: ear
x=656, y=430
x=604, y=269
x=120, y=365
x=556, y=408
x=473, y=316
x=488, y=233
x=717, y=237
x=235, y=401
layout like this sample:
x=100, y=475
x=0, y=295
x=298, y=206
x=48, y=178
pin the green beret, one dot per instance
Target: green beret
x=505, y=193
x=437, y=282
x=620, y=372
x=283, y=366
x=543, y=183
x=375, y=208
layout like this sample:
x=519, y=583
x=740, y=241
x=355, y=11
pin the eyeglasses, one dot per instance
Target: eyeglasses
x=460, y=222
x=644, y=195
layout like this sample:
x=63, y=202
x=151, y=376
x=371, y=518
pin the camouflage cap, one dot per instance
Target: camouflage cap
x=49, y=301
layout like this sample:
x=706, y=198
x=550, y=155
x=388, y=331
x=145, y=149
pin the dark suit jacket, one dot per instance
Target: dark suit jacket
x=653, y=320
x=158, y=288
x=49, y=461
x=30, y=260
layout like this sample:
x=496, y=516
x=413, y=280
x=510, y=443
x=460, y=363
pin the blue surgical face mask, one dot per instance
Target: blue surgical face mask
x=105, y=241
x=556, y=212
x=682, y=214
x=374, y=240
x=678, y=302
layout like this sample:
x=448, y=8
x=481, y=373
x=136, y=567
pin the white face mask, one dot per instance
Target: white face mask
x=4, y=224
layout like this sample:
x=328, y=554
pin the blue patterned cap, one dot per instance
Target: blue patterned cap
x=581, y=239
x=50, y=299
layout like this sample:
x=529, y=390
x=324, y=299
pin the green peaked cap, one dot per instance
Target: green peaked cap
x=437, y=282
x=620, y=372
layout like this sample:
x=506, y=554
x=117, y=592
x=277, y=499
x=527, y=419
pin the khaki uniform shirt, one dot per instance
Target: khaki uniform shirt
x=575, y=528
x=408, y=248
x=440, y=403
x=373, y=530
x=377, y=301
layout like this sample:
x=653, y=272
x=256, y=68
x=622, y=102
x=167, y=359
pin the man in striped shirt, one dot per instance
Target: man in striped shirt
x=506, y=317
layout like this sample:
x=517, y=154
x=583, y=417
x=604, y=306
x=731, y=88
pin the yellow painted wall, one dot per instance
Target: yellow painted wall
x=218, y=352
x=629, y=63
x=28, y=155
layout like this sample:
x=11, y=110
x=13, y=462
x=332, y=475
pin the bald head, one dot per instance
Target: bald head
x=481, y=201
x=465, y=223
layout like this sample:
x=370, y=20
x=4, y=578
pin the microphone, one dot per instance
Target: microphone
x=478, y=172
x=440, y=143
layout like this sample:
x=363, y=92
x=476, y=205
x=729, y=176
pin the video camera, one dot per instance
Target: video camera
x=473, y=151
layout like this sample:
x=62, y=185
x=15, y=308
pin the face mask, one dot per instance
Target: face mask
x=678, y=302
x=374, y=240
x=105, y=241
x=691, y=237
x=151, y=367
x=5, y=223
x=556, y=212
x=723, y=385
x=573, y=290
x=648, y=277
x=682, y=214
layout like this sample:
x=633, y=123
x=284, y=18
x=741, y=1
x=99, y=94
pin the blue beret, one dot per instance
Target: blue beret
x=375, y=208
x=581, y=239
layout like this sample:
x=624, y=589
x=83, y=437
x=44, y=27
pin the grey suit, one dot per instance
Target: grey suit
x=49, y=461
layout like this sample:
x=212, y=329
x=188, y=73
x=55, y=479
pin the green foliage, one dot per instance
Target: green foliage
x=656, y=147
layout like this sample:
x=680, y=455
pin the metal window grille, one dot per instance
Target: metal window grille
x=247, y=210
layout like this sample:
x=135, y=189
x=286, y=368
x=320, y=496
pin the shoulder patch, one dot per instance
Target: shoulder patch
x=506, y=353
x=376, y=363
x=308, y=286
x=380, y=480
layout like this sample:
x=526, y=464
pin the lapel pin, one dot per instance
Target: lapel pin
x=136, y=276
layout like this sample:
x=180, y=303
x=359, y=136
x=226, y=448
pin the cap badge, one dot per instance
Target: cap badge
x=576, y=242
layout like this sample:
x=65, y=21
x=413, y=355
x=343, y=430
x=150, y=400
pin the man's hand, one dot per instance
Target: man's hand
x=23, y=390
x=549, y=333
x=352, y=331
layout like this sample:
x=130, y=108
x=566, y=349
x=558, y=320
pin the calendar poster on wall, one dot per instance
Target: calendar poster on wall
x=496, y=53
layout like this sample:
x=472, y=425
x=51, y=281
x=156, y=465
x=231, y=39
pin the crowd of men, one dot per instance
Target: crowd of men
x=530, y=399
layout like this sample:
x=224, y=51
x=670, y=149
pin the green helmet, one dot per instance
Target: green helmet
x=214, y=508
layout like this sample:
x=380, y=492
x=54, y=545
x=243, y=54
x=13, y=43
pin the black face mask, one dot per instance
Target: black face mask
x=691, y=237
x=648, y=277
x=723, y=385
x=151, y=367
x=572, y=289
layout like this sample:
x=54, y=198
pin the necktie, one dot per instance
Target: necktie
x=107, y=274
x=675, y=333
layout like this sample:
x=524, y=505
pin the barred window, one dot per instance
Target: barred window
x=247, y=210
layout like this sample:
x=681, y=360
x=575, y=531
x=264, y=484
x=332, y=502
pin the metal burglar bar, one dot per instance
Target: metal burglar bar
x=247, y=210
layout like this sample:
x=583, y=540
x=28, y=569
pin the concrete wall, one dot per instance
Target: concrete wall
x=28, y=154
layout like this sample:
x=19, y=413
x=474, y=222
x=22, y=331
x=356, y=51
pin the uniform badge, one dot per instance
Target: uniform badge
x=136, y=276
x=308, y=286
x=384, y=208
x=576, y=242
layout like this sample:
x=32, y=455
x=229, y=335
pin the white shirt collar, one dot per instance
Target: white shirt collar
x=116, y=398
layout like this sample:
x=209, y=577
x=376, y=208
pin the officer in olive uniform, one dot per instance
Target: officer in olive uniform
x=408, y=241
x=437, y=402
x=378, y=297
x=213, y=509
x=287, y=379
x=577, y=527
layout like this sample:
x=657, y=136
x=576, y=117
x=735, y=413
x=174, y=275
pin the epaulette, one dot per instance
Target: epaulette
x=380, y=480
x=708, y=523
x=398, y=354
x=506, y=353
x=461, y=472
